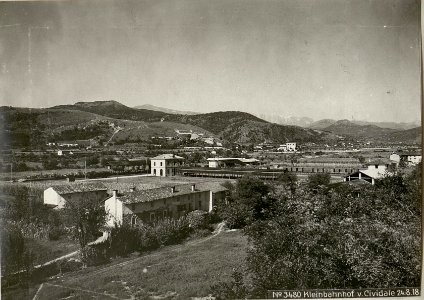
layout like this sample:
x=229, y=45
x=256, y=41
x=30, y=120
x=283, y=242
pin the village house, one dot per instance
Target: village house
x=287, y=147
x=166, y=164
x=165, y=202
x=409, y=158
x=57, y=196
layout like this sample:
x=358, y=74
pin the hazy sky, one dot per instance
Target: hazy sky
x=315, y=58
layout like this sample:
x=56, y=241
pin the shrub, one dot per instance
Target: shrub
x=93, y=255
x=123, y=240
x=234, y=289
x=171, y=231
x=198, y=219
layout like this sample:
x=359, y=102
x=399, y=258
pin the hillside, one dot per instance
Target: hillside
x=321, y=124
x=409, y=136
x=95, y=121
x=114, y=109
x=347, y=128
x=244, y=128
x=22, y=127
x=165, y=110
x=103, y=121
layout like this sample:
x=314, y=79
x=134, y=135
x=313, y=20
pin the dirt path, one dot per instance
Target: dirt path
x=57, y=259
x=217, y=231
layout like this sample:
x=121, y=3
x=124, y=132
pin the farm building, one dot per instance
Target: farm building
x=57, y=196
x=153, y=204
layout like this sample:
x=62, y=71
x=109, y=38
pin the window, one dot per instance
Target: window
x=165, y=213
x=133, y=219
x=200, y=204
x=152, y=216
x=161, y=164
x=151, y=204
x=154, y=164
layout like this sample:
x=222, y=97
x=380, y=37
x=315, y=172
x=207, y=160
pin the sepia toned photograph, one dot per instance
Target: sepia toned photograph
x=210, y=149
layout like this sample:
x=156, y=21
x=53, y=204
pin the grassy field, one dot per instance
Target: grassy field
x=176, y=272
x=48, y=250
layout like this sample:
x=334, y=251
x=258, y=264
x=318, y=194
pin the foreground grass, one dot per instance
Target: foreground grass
x=45, y=250
x=177, y=272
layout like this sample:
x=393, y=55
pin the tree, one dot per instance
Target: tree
x=289, y=180
x=86, y=217
x=15, y=254
x=341, y=238
x=250, y=200
x=316, y=181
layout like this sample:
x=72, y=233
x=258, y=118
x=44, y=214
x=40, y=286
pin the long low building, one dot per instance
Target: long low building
x=226, y=162
x=158, y=203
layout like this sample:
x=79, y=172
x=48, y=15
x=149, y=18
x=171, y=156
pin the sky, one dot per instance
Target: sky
x=339, y=59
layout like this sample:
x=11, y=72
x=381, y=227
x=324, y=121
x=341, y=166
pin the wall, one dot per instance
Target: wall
x=113, y=208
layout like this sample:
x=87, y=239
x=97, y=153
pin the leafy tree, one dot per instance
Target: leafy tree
x=250, y=200
x=289, y=180
x=316, y=181
x=346, y=238
x=86, y=217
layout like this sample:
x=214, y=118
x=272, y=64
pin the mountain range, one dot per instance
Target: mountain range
x=322, y=124
x=115, y=122
x=165, y=110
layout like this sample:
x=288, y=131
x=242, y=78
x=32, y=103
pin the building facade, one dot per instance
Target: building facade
x=166, y=202
x=166, y=165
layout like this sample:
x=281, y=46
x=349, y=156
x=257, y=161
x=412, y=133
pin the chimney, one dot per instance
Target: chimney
x=172, y=189
x=132, y=189
x=193, y=187
x=114, y=193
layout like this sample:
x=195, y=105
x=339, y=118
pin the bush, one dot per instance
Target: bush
x=234, y=289
x=123, y=240
x=198, y=219
x=93, y=255
x=171, y=231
